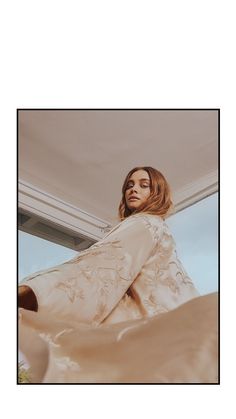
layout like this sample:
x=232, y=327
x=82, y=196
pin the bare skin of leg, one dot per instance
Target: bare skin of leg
x=27, y=298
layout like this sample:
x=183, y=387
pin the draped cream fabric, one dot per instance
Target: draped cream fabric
x=120, y=312
x=180, y=346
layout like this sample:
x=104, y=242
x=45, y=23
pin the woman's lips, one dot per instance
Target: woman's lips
x=133, y=199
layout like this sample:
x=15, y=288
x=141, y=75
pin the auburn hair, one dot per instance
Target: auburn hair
x=158, y=203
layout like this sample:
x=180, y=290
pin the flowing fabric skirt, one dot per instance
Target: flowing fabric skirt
x=180, y=346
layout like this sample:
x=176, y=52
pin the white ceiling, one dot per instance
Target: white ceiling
x=82, y=157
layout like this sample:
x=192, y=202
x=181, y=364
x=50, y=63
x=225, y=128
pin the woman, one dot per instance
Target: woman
x=133, y=272
x=120, y=311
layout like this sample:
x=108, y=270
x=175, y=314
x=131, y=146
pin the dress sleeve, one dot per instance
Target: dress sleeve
x=88, y=287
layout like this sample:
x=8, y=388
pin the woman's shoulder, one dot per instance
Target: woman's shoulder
x=154, y=223
x=149, y=218
x=141, y=219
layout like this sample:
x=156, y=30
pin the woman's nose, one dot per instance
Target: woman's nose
x=134, y=188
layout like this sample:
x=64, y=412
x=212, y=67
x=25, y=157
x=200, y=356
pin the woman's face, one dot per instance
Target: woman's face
x=137, y=189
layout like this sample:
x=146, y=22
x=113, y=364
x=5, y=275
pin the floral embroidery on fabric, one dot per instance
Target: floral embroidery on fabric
x=89, y=278
x=169, y=282
x=156, y=228
x=180, y=273
x=153, y=306
x=70, y=286
x=139, y=254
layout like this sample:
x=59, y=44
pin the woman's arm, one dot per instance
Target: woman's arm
x=87, y=288
x=27, y=298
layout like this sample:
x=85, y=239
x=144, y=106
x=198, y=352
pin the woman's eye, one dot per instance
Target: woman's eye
x=142, y=186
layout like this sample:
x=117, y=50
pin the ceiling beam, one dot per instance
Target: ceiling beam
x=195, y=191
x=37, y=202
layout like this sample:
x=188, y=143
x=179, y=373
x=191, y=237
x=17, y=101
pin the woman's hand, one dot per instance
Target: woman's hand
x=27, y=298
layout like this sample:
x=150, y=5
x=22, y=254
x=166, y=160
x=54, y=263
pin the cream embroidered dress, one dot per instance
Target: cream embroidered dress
x=133, y=272
x=123, y=311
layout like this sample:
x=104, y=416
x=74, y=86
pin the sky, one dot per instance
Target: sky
x=194, y=230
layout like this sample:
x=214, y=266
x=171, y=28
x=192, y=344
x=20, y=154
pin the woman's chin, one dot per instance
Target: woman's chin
x=133, y=207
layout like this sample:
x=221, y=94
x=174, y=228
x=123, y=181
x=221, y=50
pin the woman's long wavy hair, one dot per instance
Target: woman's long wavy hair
x=158, y=203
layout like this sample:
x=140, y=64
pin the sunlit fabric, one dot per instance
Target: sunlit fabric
x=180, y=346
